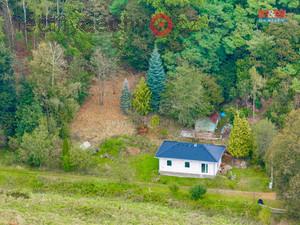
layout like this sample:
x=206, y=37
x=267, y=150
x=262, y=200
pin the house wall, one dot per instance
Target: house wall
x=178, y=166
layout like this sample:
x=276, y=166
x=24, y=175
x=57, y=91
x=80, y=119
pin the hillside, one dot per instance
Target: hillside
x=96, y=122
x=205, y=131
x=55, y=198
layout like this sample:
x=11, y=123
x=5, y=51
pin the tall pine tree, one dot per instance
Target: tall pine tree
x=241, y=138
x=156, y=78
x=125, y=99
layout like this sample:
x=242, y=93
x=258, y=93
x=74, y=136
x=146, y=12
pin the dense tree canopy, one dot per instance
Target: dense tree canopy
x=7, y=91
x=189, y=95
x=284, y=158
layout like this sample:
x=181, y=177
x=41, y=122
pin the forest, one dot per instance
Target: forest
x=218, y=57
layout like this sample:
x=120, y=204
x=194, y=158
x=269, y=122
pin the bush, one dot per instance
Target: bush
x=81, y=160
x=164, y=133
x=40, y=148
x=174, y=188
x=18, y=194
x=197, y=192
x=112, y=146
x=154, y=121
x=245, y=112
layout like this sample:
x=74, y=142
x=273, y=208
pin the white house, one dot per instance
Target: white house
x=189, y=159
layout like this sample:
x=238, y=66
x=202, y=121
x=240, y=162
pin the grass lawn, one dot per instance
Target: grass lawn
x=144, y=168
x=249, y=179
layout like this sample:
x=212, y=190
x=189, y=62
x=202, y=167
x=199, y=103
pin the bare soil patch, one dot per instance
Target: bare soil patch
x=95, y=122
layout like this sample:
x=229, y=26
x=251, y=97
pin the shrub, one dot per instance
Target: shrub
x=155, y=121
x=245, y=112
x=164, y=133
x=112, y=146
x=18, y=194
x=197, y=192
x=40, y=148
x=81, y=160
x=174, y=188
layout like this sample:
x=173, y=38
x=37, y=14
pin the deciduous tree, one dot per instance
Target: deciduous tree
x=257, y=84
x=103, y=68
x=51, y=83
x=284, y=157
x=263, y=131
x=7, y=91
x=190, y=95
x=40, y=148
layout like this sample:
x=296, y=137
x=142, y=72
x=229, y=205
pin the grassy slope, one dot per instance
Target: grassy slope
x=76, y=199
x=144, y=167
x=59, y=209
x=131, y=182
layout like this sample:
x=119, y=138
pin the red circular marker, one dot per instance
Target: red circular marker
x=158, y=24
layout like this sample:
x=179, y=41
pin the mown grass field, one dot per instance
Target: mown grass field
x=37, y=197
x=58, y=209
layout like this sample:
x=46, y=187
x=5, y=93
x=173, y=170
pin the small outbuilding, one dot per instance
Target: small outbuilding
x=208, y=124
x=189, y=159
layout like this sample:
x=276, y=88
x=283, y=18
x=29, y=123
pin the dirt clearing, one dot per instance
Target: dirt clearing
x=95, y=122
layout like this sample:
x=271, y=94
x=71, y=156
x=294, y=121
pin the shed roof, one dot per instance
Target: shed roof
x=190, y=151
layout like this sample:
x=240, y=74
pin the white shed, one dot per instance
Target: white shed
x=189, y=159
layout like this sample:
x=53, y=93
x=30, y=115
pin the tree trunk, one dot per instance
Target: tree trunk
x=25, y=23
x=57, y=13
x=102, y=93
x=47, y=13
x=94, y=21
x=253, y=104
x=10, y=26
x=53, y=62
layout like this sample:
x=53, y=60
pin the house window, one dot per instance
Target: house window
x=169, y=163
x=204, y=168
x=187, y=164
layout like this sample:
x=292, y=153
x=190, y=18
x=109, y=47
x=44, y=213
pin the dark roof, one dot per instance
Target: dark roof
x=190, y=151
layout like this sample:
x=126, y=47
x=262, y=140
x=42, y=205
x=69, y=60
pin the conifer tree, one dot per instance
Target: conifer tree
x=125, y=99
x=156, y=78
x=141, y=98
x=66, y=161
x=241, y=138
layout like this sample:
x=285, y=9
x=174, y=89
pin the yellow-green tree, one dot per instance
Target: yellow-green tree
x=241, y=138
x=141, y=98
